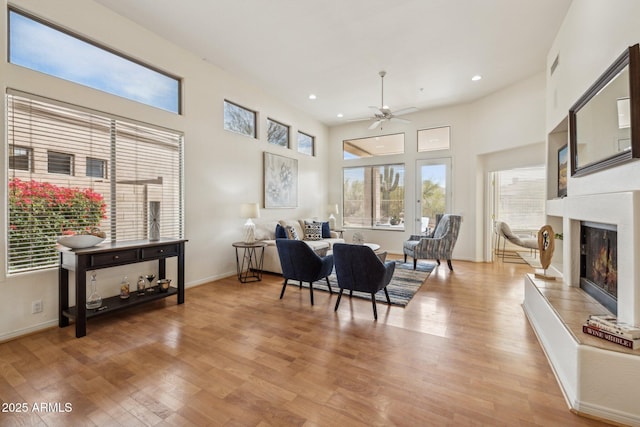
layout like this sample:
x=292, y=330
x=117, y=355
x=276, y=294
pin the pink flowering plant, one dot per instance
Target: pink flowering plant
x=39, y=212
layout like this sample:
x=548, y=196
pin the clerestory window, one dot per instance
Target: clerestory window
x=44, y=47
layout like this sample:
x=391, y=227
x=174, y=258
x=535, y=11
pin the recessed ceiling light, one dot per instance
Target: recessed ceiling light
x=312, y=96
x=340, y=115
x=476, y=78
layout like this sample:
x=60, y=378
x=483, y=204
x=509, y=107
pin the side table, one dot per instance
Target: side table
x=249, y=266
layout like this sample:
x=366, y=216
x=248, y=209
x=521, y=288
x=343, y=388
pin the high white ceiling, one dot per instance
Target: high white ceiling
x=335, y=48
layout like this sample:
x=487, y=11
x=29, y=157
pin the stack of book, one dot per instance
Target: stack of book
x=609, y=328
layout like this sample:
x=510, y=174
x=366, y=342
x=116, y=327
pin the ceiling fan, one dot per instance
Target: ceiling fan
x=384, y=112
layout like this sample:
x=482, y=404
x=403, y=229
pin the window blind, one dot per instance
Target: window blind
x=520, y=196
x=74, y=168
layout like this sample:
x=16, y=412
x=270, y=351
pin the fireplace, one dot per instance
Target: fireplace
x=599, y=263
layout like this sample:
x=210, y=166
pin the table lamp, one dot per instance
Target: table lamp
x=249, y=211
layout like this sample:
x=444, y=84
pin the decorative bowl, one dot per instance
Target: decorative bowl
x=163, y=285
x=80, y=241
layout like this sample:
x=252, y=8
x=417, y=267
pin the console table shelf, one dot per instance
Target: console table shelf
x=111, y=304
x=81, y=261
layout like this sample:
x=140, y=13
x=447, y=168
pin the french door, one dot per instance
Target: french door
x=433, y=192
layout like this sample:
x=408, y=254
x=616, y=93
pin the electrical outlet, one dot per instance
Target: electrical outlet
x=36, y=306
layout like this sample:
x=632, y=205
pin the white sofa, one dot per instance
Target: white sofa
x=266, y=232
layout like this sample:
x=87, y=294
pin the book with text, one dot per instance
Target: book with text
x=617, y=339
x=612, y=325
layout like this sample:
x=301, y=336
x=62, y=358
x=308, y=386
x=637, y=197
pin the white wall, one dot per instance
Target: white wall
x=510, y=118
x=222, y=169
x=594, y=33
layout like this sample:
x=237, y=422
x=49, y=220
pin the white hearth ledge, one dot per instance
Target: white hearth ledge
x=598, y=378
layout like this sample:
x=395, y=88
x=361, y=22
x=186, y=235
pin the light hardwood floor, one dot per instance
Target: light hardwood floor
x=461, y=353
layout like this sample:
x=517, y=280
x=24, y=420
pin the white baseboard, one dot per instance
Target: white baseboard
x=29, y=330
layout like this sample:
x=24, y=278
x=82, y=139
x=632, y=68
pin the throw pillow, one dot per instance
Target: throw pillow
x=313, y=231
x=326, y=230
x=281, y=233
x=292, y=234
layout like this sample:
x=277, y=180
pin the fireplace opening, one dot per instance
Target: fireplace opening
x=599, y=263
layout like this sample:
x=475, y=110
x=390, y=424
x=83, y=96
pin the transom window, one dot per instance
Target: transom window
x=373, y=146
x=434, y=139
x=278, y=133
x=306, y=144
x=239, y=119
x=43, y=47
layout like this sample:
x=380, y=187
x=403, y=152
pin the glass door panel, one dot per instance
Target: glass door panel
x=433, y=192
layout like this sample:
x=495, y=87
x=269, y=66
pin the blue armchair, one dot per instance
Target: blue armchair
x=438, y=247
x=358, y=268
x=300, y=262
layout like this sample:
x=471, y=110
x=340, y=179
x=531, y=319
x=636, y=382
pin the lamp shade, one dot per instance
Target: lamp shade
x=250, y=210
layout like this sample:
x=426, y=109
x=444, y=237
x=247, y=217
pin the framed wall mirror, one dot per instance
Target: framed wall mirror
x=604, y=124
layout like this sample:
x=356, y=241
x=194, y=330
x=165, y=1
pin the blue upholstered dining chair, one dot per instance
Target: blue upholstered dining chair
x=358, y=268
x=300, y=262
x=439, y=246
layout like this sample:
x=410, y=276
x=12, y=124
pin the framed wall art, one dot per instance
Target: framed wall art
x=563, y=159
x=280, y=181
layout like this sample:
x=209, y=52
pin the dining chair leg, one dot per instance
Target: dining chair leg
x=387, y=295
x=310, y=291
x=329, y=285
x=350, y=293
x=338, y=302
x=415, y=263
x=449, y=264
x=375, y=310
x=284, y=286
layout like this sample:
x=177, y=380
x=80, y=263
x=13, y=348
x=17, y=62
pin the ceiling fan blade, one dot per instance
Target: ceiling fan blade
x=361, y=119
x=405, y=111
x=397, y=119
x=375, y=124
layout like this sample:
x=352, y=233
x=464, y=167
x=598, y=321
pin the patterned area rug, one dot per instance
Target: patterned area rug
x=403, y=286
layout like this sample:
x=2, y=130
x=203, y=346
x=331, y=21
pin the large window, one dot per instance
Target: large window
x=277, y=133
x=239, y=119
x=373, y=197
x=42, y=47
x=48, y=200
x=520, y=198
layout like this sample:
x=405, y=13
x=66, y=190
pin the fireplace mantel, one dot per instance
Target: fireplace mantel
x=597, y=379
x=622, y=210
